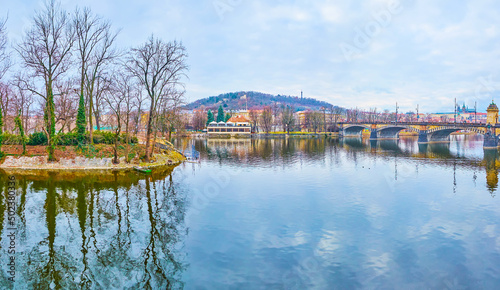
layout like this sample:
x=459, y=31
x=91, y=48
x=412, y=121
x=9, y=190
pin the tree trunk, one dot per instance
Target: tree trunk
x=148, y=132
x=97, y=116
x=50, y=121
x=115, y=160
x=91, y=127
x=154, y=140
x=137, y=121
x=127, y=148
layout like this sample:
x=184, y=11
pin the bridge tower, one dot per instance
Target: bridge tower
x=492, y=114
x=491, y=138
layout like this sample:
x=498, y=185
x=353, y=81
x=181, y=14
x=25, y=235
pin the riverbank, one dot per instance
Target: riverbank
x=262, y=135
x=98, y=157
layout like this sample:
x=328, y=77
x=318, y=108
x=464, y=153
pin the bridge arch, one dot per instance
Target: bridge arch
x=443, y=133
x=354, y=130
x=389, y=132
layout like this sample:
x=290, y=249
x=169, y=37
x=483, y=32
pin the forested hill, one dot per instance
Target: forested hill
x=243, y=100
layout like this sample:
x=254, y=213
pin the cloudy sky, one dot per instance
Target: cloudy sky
x=364, y=54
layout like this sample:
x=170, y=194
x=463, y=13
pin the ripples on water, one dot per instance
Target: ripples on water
x=294, y=214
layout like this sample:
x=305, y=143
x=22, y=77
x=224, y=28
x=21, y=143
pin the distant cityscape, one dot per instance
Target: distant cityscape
x=309, y=115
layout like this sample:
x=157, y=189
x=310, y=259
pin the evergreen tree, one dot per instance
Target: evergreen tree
x=210, y=117
x=19, y=125
x=220, y=114
x=228, y=116
x=81, y=123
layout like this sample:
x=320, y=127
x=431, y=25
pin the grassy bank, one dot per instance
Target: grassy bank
x=96, y=157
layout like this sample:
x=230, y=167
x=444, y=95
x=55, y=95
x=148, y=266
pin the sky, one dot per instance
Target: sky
x=365, y=54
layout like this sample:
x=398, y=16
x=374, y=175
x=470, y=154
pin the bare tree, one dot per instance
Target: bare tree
x=5, y=60
x=287, y=118
x=372, y=115
x=276, y=110
x=95, y=47
x=266, y=119
x=65, y=106
x=199, y=119
x=335, y=114
x=386, y=115
x=115, y=100
x=171, y=118
x=22, y=102
x=159, y=67
x=128, y=90
x=137, y=118
x=45, y=51
x=353, y=115
x=254, y=119
x=102, y=84
x=315, y=121
x=5, y=104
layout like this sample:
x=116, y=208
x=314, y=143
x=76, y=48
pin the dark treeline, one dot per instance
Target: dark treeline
x=243, y=100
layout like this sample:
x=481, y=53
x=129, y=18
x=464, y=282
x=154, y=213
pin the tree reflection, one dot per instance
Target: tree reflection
x=47, y=267
x=102, y=232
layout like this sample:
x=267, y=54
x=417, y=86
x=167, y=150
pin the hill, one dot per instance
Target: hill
x=243, y=100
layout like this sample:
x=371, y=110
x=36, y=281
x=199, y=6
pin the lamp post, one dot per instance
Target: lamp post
x=397, y=112
x=455, y=118
x=475, y=112
x=417, y=114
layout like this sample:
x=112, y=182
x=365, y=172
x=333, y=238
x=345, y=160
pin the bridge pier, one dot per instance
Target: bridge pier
x=490, y=141
x=490, y=138
x=373, y=134
x=422, y=137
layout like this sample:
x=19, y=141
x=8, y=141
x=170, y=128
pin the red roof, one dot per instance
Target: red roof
x=238, y=119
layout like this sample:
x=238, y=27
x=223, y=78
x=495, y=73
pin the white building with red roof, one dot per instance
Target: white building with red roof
x=237, y=125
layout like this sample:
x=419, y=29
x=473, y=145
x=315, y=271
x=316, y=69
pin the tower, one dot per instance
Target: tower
x=492, y=114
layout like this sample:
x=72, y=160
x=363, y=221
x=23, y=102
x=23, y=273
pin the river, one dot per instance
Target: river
x=273, y=214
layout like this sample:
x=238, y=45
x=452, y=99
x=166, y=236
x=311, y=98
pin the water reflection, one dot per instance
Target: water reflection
x=462, y=152
x=492, y=164
x=106, y=231
x=301, y=213
x=350, y=213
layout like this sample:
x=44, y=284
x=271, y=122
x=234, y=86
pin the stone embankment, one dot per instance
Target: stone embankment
x=83, y=163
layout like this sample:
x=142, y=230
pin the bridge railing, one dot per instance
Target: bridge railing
x=419, y=123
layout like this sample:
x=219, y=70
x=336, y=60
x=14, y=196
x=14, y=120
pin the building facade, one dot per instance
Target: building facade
x=238, y=125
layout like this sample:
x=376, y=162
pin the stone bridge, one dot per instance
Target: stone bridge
x=427, y=132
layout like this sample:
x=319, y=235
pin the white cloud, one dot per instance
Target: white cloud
x=431, y=50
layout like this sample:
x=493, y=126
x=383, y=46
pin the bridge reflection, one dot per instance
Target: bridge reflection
x=465, y=152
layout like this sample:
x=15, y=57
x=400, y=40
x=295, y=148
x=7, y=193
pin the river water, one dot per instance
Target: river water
x=273, y=214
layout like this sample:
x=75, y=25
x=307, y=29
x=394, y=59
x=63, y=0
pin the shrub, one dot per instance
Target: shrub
x=37, y=138
x=104, y=137
x=133, y=140
x=11, y=139
x=67, y=139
